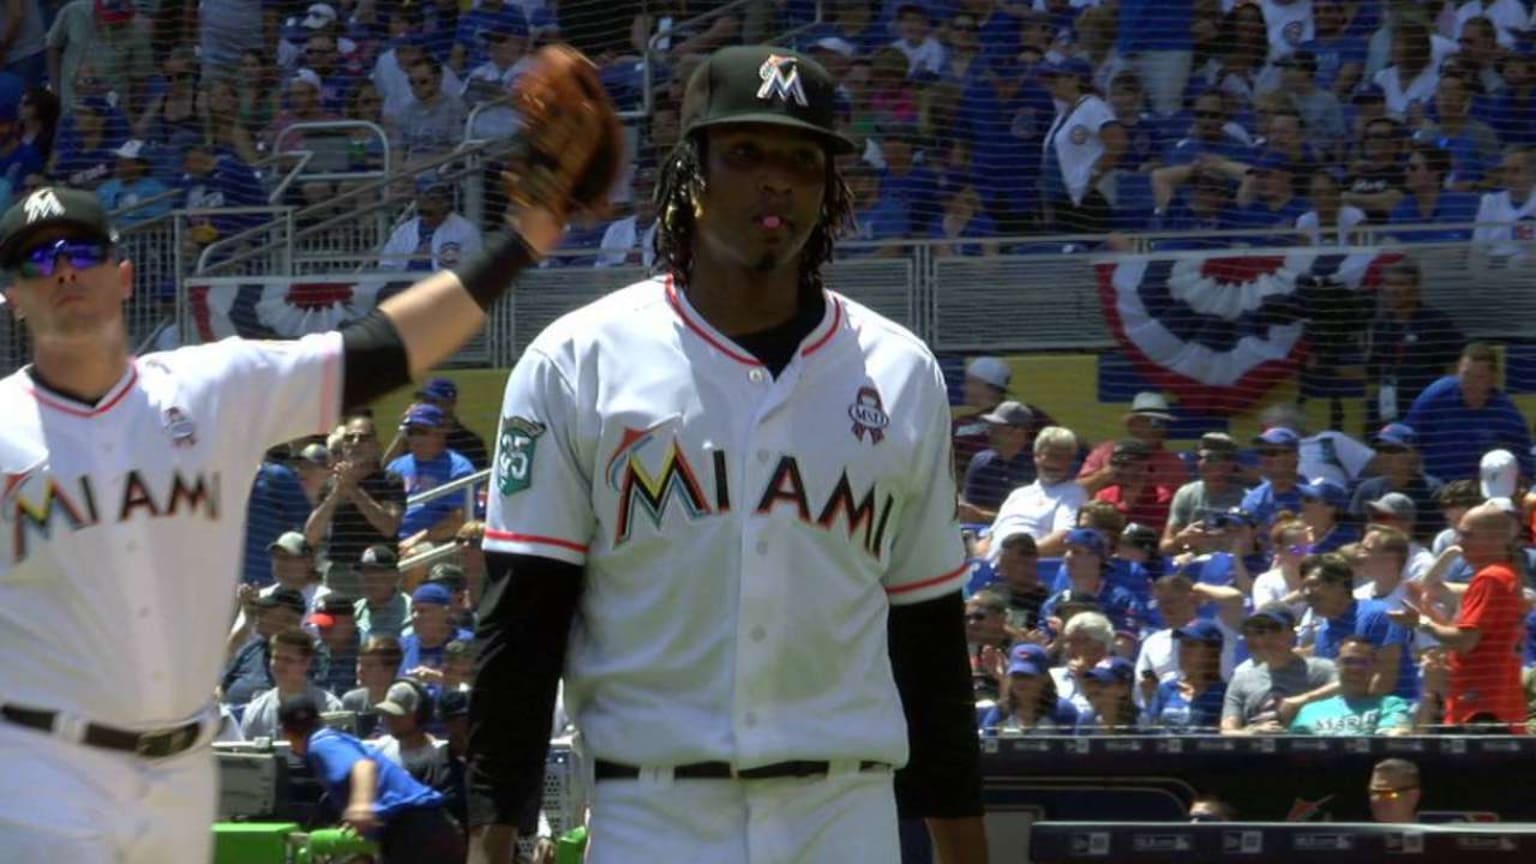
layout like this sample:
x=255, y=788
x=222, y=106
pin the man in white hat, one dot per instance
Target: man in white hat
x=986, y=384
x=1147, y=421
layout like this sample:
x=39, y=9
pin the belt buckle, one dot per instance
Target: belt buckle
x=735, y=772
x=141, y=747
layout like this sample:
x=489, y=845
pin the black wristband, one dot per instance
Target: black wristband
x=488, y=275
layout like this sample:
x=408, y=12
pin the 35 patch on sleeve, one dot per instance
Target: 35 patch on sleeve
x=514, y=453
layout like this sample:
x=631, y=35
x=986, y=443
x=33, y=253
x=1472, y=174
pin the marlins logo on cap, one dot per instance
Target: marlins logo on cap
x=780, y=79
x=42, y=204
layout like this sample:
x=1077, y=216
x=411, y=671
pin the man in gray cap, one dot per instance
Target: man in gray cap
x=742, y=400
x=1002, y=467
x=1216, y=489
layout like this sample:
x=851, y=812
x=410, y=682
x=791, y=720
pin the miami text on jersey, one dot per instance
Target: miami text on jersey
x=34, y=502
x=651, y=492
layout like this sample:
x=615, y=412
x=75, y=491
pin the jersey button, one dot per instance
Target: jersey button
x=762, y=547
x=130, y=546
x=756, y=376
x=759, y=634
x=749, y=719
x=143, y=611
x=763, y=455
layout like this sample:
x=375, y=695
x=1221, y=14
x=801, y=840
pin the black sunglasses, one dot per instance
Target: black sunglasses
x=43, y=260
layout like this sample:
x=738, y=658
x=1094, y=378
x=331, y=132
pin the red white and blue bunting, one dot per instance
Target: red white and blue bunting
x=1219, y=330
x=283, y=308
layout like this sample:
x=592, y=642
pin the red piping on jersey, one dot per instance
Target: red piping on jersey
x=493, y=534
x=681, y=310
x=902, y=589
x=133, y=378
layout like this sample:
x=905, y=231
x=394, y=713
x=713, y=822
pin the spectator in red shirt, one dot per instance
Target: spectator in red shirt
x=1484, y=640
x=1147, y=422
x=1132, y=489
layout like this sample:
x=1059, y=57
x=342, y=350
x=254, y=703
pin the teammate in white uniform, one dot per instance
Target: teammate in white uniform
x=120, y=521
x=736, y=484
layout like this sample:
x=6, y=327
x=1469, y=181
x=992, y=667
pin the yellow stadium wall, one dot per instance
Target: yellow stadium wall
x=1064, y=384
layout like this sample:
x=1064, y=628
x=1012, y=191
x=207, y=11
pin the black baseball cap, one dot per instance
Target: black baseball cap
x=49, y=207
x=763, y=84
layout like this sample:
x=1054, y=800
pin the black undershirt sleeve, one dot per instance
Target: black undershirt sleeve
x=520, y=645
x=373, y=360
x=942, y=778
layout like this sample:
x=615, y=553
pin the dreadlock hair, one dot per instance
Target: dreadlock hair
x=679, y=187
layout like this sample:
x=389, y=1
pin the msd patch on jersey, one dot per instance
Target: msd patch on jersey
x=868, y=413
x=514, y=453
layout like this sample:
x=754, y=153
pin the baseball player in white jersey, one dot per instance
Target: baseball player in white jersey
x=716, y=493
x=123, y=503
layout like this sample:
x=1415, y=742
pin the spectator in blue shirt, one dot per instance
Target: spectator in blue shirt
x=1472, y=144
x=1001, y=468
x=131, y=185
x=85, y=154
x=1340, y=56
x=1208, y=134
x=372, y=793
x=277, y=504
x=1427, y=202
x=1323, y=504
x=214, y=180
x=905, y=179
x=1279, y=454
x=1267, y=199
x=432, y=629
x=1193, y=700
x=1085, y=563
x=1155, y=36
x=469, y=47
x=875, y=216
x=965, y=225
x=1327, y=584
x=1197, y=200
x=1143, y=131
x=1513, y=113
x=428, y=465
x=1462, y=416
x=1005, y=113
x=1030, y=702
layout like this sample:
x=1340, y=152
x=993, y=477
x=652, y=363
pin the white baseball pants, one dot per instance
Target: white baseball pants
x=66, y=803
x=843, y=818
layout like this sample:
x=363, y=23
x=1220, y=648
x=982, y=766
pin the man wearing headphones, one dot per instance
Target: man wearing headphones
x=407, y=712
x=375, y=796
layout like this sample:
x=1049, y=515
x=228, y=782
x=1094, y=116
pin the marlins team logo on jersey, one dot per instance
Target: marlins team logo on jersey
x=34, y=503
x=650, y=469
x=781, y=80
x=514, y=453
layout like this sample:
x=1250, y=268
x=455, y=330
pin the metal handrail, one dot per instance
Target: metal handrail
x=466, y=485
x=339, y=125
x=474, y=114
x=280, y=213
x=647, y=63
x=792, y=32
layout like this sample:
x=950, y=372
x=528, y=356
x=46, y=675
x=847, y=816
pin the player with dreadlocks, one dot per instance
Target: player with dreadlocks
x=741, y=482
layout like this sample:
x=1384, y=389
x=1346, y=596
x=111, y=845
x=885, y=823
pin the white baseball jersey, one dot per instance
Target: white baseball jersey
x=122, y=522
x=743, y=535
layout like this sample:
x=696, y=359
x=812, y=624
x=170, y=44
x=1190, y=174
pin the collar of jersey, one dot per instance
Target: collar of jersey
x=55, y=401
x=830, y=324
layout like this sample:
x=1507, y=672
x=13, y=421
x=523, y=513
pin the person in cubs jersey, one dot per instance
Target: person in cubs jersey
x=121, y=513
x=723, y=508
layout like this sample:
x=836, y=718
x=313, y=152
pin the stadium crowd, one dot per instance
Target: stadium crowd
x=1303, y=582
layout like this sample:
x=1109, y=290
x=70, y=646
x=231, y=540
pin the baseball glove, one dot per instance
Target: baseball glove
x=571, y=149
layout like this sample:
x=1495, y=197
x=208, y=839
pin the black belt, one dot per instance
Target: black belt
x=151, y=745
x=605, y=770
